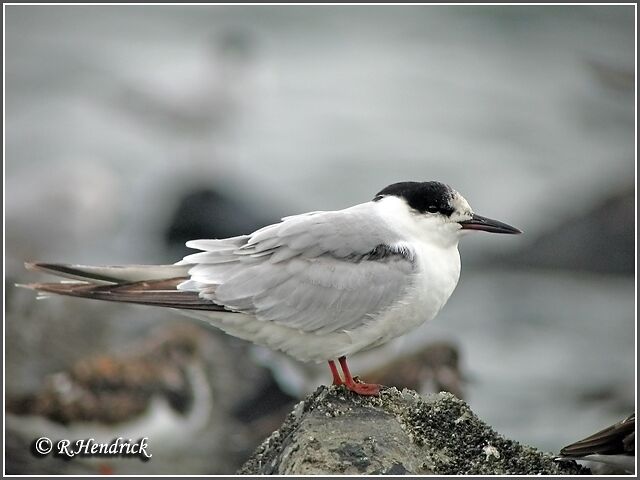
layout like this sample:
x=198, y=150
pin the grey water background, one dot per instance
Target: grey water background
x=114, y=113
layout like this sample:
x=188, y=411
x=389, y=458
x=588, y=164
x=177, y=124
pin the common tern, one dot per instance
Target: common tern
x=319, y=286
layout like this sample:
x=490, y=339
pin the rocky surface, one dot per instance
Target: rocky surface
x=336, y=432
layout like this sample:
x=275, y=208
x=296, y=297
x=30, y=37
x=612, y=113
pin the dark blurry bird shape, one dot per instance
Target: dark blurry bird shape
x=610, y=451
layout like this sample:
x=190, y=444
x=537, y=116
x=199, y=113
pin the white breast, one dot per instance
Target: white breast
x=437, y=275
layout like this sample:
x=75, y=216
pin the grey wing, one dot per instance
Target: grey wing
x=319, y=272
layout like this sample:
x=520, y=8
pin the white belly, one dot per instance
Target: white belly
x=435, y=279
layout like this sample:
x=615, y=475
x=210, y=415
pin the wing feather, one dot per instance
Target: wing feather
x=316, y=272
x=159, y=293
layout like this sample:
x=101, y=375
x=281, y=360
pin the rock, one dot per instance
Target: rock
x=336, y=432
x=211, y=213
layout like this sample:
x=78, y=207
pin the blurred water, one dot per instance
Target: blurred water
x=315, y=107
x=113, y=112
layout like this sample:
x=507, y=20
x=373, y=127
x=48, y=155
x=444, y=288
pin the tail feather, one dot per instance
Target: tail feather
x=141, y=284
x=104, y=275
x=160, y=293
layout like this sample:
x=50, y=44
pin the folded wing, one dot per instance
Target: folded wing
x=319, y=272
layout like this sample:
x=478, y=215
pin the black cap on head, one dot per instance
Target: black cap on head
x=424, y=197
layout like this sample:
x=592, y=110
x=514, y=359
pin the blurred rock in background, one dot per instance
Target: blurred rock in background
x=177, y=387
x=598, y=239
x=208, y=213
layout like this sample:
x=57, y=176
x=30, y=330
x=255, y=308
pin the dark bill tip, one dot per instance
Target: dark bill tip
x=485, y=224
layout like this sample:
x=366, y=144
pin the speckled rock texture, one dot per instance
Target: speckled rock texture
x=334, y=431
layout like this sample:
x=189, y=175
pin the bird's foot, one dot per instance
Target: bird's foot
x=352, y=383
x=367, y=389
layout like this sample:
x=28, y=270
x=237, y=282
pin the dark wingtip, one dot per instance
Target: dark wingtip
x=42, y=266
x=612, y=440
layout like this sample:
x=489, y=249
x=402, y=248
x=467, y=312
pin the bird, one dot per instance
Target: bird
x=318, y=286
x=159, y=386
x=164, y=372
x=613, y=448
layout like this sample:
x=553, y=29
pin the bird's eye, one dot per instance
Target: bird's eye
x=432, y=209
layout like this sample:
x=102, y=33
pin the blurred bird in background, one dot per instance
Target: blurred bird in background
x=162, y=373
x=610, y=451
x=171, y=386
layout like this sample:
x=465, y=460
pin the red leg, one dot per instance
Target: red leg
x=334, y=371
x=357, y=387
